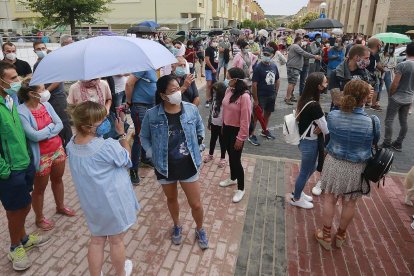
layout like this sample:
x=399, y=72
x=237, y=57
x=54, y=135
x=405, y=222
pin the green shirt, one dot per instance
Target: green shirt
x=14, y=154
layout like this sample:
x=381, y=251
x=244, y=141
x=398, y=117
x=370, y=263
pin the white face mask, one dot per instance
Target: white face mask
x=44, y=96
x=11, y=56
x=175, y=98
x=41, y=54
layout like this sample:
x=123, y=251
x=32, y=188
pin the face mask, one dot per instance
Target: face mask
x=226, y=82
x=251, y=41
x=318, y=40
x=44, y=96
x=174, y=51
x=304, y=43
x=266, y=59
x=103, y=128
x=190, y=47
x=362, y=63
x=11, y=56
x=175, y=98
x=214, y=44
x=179, y=71
x=14, y=87
x=41, y=54
x=246, y=51
x=336, y=45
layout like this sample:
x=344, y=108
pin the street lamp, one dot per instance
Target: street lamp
x=323, y=7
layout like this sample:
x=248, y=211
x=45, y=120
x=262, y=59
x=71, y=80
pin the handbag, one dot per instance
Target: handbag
x=377, y=166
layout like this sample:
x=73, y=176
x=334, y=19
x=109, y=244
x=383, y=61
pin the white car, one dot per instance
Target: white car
x=400, y=54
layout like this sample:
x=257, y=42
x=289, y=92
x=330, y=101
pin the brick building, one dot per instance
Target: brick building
x=373, y=16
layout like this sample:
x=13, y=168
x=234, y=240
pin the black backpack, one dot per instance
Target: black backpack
x=377, y=166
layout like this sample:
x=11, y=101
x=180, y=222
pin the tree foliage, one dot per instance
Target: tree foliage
x=68, y=12
x=262, y=24
x=300, y=22
x=248, y=24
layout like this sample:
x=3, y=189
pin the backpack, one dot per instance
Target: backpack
x=377, y=167
x=291, y=127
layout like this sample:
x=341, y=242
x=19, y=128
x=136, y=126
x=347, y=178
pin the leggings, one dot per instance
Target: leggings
x=236, y=168
x=216, y=134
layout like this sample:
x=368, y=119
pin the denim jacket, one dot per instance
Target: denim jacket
x=154, y=135
x=351, y=135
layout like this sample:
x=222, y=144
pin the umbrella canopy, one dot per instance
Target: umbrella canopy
x=337, y=31
x=94, y=58
x=164, y=29
x=235, y=31
x=410, y=32
x=313, y=34
x=141, y=29
x=300, y=31
x=323, y=23
x=263, y=32
x=107, y=33
x=215, y=32
x=150, y=24
x=395, y=38
x=280, y=29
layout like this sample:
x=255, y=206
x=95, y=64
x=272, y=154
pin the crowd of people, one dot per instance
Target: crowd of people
x=36, y=135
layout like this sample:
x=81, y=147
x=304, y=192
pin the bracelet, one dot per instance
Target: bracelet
x=122, y=136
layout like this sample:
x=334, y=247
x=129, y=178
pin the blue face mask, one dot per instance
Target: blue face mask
x=103, y=128
x=174, y=51
x=319, y=40
x=179, y=71
x=14, y=87
x=266, y=59
x=226, y=82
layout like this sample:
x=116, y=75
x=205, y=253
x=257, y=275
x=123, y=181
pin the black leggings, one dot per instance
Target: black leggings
x=236, y=167
x=216, y=134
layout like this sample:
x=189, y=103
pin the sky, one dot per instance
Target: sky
x=282, y=7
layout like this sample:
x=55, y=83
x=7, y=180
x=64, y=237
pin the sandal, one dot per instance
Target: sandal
x=45, y=224
x=340, y=238
x=66, y=212
x=222, y=163
x=324, y=237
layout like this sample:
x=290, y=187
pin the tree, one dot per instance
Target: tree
x=248, y=24
x=308, y=17
x=262, y=24
x=63, y=12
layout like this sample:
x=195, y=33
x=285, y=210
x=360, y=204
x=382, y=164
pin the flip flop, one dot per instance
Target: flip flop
x=66, y=212
x=45, y=224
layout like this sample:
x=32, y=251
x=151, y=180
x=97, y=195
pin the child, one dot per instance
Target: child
x=215, y=123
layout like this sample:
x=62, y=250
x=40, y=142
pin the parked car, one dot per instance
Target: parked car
x=400, y=54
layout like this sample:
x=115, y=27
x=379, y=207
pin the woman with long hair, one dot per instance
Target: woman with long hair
x=311, y=120
x=42, y=126
x=245, y=60
x=352, y=134
x=237, y=109
x=171, y=134
x=100, y=173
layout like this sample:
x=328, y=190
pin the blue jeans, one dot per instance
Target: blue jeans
x=387, y=81
x=309, y=151
x=303, y=76
x=137, y=115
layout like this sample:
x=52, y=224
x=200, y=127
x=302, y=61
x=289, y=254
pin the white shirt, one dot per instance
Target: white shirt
x=120, y=82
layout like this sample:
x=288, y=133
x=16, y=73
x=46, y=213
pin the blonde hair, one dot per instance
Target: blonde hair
x=355, y=92
x=26, y=88
x=86, y=114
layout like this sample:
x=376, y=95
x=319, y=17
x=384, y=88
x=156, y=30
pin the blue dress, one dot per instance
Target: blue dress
x=100, y=174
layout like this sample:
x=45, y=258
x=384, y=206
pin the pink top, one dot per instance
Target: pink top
x=237, y=114
x=43, y=119
x=239, y=62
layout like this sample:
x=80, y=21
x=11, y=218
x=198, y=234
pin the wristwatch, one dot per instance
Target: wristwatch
x=122, y=136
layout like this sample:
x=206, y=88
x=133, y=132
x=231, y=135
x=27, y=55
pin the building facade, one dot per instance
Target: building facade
x=175, y=14
x=373, y=16
x=256, y=11
x=315, y=5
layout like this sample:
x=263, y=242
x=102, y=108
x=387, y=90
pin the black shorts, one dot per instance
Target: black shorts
x=267, y=103
x=15, y=191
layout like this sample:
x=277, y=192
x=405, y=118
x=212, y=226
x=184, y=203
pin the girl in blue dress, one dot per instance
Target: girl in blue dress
x=100, y=173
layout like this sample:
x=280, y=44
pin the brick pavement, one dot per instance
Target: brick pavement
x=148, y=242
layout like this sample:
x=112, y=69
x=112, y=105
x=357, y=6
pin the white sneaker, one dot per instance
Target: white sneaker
x=304, y=196
x=128, y=268
x=238, y=196
x=302, y=203
x=317, y=189
x=227, y=182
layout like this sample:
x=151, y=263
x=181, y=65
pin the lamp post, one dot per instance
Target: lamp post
x=322, y=7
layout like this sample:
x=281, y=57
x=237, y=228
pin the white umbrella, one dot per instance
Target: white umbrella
x=263, y=32
x=337, y=31
x=100, y=57
x=300, y=31
x=164, y=29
